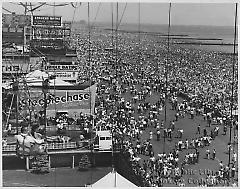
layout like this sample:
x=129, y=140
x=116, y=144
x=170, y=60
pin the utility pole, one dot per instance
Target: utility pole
x=15, y=90
x=232, y=83
x=45, y=91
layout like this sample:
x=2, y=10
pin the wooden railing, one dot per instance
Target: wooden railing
x=9, y=148
x=68, y=128
x=51, y=146
x=62, y=146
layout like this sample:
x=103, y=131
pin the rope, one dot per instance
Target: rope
x=125, y=7
x=7, y=10
x=116, y=33
x=9, y=110
x=55, y=108
x=98, y=9
x=90, y=66
x=112, y=26
x=139, y=37
x=72, y=20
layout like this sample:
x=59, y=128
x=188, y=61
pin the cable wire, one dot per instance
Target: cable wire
x=139, y=37
x=90, y=66
x=232, y=83
x=125, y=7
x=166, y=75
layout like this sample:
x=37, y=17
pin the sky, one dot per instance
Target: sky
x=215, y=14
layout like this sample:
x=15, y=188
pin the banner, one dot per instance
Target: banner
x=72, y=102
x=65, y=75
x=46, y=20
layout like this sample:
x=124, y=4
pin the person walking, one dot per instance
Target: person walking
x=205, y=132
x=224, y=130
x=214, y=154
x=208, y=154
x=233, y=171
x=151, y=135
x=158, y=135
x=197, y=153
x=199, y=129
x=180, y=133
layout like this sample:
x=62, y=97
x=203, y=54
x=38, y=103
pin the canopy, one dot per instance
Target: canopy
x=37, y=74
x=53, y=82
x=36, y=77
x=113, y=179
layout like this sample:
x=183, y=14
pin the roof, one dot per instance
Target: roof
x=113, y=179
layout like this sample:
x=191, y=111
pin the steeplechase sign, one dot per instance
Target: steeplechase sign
x=61, y=99
x=72, y=101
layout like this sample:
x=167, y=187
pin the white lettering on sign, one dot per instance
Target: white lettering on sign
x=65, y=75
x=67, y=98
x=16, y=68
x=61, y=67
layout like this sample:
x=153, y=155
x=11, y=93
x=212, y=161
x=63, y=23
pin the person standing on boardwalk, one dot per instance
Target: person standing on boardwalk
x=158, y=135
x=199, y=129
x=150, y=135
x=224, y=130
x=214, y=154
x=208, y=154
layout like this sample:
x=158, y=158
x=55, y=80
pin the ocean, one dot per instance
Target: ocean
x=215, y=38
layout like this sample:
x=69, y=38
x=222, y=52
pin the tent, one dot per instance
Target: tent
x=113, y=179
x=35, y=79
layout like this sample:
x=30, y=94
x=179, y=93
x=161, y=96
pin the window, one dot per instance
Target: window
x=102, y=138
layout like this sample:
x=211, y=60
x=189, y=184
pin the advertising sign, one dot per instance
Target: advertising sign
x=12, y=67
x=61, y=68
x=72, y=101
x=65, y=75
x=65, y=72
x=47, y=21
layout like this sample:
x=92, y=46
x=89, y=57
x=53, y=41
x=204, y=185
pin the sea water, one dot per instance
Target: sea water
x=222, y=35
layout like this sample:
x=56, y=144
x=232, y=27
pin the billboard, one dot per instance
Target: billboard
x=50, y=32
x=65, y=72
x=61, y=67
x=72, y=101
x=10, y=66
x=46, y=21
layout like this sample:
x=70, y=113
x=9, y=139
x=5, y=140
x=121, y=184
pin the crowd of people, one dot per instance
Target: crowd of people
x=139, y=83
x=132, y=92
